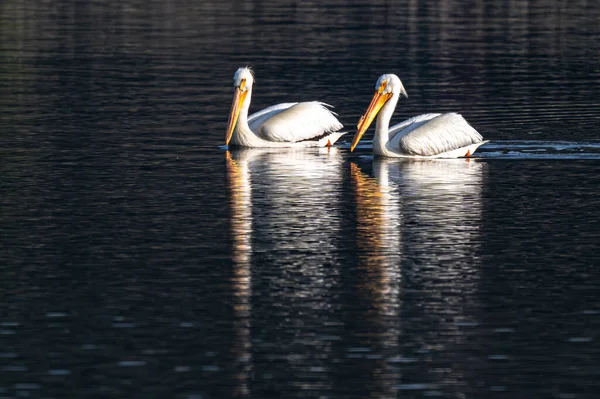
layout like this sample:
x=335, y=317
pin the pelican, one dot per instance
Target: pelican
x=423, y=136
x=306, y=124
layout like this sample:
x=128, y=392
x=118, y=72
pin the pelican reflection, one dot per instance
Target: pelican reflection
x=241, y=228
x=379, y=250
x=285, y=220
x=418, y=221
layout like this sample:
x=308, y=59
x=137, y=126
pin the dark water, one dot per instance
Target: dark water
x=138, y=259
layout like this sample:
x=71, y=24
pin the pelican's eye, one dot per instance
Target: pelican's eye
x=382, y=87
x=243, y=84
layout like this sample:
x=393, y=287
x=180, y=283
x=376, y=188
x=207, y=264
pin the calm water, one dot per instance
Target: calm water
x=139, y=259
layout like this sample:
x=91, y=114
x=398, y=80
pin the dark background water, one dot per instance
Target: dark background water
x=139, y=259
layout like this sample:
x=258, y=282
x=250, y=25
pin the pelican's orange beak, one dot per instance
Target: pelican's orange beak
x=379, y=99
x=238, y=99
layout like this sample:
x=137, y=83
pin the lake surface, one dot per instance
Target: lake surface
x=138, y=258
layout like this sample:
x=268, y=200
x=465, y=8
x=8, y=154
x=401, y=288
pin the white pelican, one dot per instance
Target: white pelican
x=307, y=124
x=423, y=136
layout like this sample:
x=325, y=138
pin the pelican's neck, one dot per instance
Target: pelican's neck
x=382, y=127
x=242, y=123
x=243, y=135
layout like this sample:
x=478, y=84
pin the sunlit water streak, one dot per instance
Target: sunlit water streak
x=534, y=149
x=523, y=149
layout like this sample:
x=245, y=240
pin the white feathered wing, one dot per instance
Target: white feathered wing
x=433, y=134
x=293, y=122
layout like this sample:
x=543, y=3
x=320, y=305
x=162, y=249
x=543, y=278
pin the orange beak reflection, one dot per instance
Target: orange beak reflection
x=238, y=99
x=379, y=99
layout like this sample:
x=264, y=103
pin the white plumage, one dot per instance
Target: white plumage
x=423, y=136
x=306, y=124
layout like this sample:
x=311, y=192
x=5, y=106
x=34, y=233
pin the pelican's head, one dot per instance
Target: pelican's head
x=243, y=78
x=388, y=86
x=242, y=83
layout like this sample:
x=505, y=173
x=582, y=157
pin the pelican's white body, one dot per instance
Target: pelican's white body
x=305, y=124
x=423, y=136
